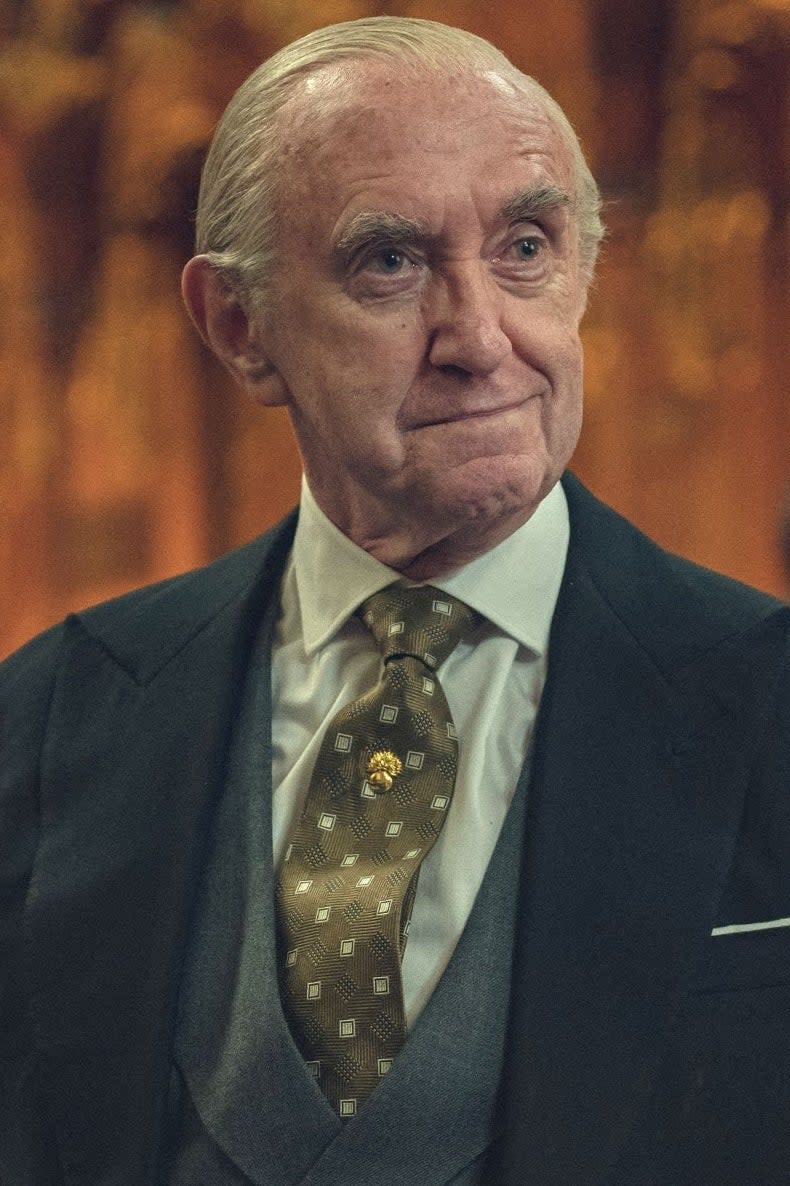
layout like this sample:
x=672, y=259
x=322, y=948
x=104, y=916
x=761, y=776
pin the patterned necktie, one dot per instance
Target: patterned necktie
x=378, y=797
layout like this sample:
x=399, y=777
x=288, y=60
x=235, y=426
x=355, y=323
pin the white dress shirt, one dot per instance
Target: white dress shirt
x=323, y=658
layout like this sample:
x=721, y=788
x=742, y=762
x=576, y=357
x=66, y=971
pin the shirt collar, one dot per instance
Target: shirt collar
x=334, y=575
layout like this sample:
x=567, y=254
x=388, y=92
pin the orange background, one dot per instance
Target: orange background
x=125, y=453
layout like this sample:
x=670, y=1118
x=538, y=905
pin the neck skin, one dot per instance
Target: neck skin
x=441, y=557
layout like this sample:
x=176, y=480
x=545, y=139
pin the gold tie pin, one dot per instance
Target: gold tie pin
x=383, y=768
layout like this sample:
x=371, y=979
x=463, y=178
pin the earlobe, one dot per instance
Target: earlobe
x=225, y=326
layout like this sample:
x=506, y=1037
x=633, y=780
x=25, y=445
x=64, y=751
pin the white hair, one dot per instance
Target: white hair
x=236, y=220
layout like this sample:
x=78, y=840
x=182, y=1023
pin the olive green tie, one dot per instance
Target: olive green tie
x=378, y=797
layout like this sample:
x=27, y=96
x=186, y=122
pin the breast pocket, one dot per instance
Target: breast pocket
x=732, y=960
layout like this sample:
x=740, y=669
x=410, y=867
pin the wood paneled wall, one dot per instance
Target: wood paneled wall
x=125, y=454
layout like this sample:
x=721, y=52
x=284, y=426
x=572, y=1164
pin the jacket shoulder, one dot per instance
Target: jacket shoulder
x=143, y=629
x=26, y=682
x=678, y=609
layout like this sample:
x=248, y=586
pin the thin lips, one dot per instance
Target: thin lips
x=470, y=414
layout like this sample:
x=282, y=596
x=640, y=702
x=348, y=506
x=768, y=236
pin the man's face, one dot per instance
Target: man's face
x=425, y=307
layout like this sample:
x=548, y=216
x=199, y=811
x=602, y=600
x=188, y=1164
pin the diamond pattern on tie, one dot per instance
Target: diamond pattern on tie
x=381, y=788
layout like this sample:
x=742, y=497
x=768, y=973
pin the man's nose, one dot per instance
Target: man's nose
x=466, y=325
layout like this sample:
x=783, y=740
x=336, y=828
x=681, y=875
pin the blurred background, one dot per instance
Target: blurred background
x=126, y=455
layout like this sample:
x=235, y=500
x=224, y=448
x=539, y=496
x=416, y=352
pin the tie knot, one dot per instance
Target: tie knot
x=422, y=621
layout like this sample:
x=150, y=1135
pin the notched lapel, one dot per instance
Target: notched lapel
x=637, y=791
x=131, y=776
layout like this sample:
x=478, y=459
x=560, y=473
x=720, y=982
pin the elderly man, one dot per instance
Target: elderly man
x=440, y=836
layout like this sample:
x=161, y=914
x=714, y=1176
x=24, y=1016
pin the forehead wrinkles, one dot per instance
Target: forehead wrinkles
x=366, y=106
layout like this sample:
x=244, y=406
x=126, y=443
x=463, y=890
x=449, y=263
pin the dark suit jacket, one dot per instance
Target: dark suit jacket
x=644, y=1051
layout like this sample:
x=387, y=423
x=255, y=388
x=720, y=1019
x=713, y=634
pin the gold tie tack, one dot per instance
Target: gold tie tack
x=383, y=768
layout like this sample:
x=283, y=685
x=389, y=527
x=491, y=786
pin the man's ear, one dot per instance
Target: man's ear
x=228, y=330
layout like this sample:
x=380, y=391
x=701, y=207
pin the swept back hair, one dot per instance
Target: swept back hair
x=236, y=216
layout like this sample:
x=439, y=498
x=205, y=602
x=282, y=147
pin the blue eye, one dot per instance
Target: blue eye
x=529, y=248
x=384, y=270
x=390, y=259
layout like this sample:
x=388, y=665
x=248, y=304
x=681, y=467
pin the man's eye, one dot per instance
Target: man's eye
x=389, y=261
x=529, y=247
x=386, y=271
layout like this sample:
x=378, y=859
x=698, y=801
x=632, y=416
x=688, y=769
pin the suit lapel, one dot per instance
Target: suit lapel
x=638, y=782
x=122, y=844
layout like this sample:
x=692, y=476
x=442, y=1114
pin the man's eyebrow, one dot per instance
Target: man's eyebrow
x=380, y=226
x=374, y=226
x=529, y=203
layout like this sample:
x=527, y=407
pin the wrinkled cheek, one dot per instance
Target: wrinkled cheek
x=359, y=431
x=563, y=410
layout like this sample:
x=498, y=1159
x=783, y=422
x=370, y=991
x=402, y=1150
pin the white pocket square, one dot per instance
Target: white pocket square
x=739, y=928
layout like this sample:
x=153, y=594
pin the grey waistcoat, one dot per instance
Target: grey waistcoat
x=244, y=1108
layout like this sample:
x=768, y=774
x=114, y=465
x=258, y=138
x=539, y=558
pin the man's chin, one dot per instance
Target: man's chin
x=487, y=492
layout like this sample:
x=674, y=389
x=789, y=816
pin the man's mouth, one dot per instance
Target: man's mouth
x=461, y=415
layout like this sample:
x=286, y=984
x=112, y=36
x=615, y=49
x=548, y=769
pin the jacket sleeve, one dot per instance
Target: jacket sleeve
x=27, y=1148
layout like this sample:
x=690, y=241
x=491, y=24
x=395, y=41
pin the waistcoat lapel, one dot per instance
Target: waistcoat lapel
x=232, y=1046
